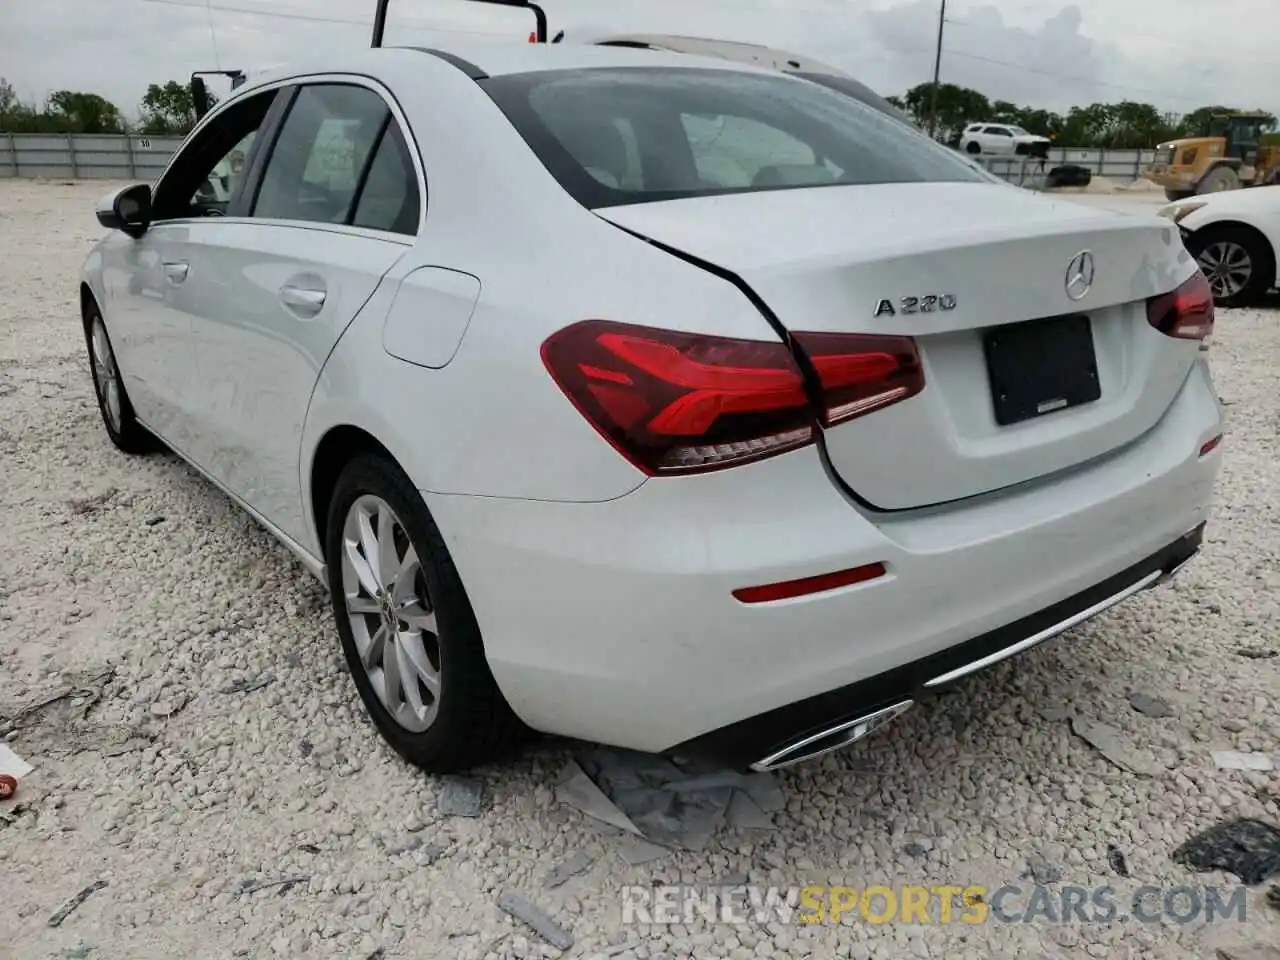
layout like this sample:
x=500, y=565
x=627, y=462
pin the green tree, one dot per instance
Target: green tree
x=81, y=112
x=169, y=108
x=957, y=107
x=8, y=98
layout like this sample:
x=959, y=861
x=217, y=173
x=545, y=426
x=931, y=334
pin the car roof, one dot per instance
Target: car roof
x=494, y=58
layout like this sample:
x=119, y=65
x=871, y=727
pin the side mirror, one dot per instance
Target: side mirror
x=128, y=210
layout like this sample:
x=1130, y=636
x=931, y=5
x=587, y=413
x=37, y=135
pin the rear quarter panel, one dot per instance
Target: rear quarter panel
x=492, y=422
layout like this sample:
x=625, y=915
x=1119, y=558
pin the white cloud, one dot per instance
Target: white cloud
x=1039, y=52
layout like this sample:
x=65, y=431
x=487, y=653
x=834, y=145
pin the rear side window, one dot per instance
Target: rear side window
x=389, y=199
x=622, y=135
x=340, y=158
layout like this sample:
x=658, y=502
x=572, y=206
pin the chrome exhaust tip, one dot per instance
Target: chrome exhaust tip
x=833, y=738
x=1173, y=571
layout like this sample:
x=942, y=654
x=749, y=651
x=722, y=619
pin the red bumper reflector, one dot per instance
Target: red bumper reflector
x=799, y=588
x=1212, y=445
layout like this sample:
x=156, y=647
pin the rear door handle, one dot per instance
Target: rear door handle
x=304, y=301
x=176, y=271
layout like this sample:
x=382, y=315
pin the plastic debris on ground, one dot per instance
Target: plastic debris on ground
x=12, y=769
x=523, y=909
x=675, y=806
x=1233, y=760
x=72, y=905
x=1109, y=742
x=1149, y=706
x=562, y=873
x=460, y=797
x=1250, y=849
x=1116, y=860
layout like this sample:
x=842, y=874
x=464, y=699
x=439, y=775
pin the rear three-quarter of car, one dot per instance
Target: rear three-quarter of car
x=1234, y=236
x=739, y=416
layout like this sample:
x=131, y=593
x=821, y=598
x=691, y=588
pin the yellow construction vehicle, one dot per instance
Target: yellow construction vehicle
x=1229, y=153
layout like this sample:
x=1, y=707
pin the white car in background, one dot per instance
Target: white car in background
x=1235, y=237
x=653, y=400
x=1000, y=139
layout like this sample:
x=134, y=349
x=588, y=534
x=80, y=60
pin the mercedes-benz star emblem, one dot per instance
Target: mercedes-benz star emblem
x=1080, y=275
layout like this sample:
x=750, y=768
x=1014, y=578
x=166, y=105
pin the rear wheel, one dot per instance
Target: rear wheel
x=973, y=147
x=408, y=632
x=1238, y=263
x=1219, y=179
x=113, y=401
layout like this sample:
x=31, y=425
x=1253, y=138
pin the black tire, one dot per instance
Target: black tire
x=1218, y=180
x=1172, y=195
x=1262, y=261
x=124, y=430
x=473, y=723
x=973, y=147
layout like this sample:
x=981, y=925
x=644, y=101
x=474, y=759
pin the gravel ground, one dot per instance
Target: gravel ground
x=137, y=586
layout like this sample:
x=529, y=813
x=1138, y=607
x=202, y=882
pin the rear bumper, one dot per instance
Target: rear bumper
x=763, y=740
x=616, y=623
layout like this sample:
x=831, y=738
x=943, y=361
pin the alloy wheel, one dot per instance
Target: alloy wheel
x=1227, y=266
x=106, y=377
x=393, y=621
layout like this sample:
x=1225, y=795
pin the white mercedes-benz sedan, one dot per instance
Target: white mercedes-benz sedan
x=667, y=403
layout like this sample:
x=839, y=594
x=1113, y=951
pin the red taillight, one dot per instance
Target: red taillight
x=673, y=402
x=1185, y=313
x=860, y=373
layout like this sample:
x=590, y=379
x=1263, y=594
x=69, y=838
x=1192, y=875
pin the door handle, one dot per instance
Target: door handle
x=176, y=272
x=304, y=301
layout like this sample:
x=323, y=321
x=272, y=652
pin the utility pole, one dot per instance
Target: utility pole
x=937, y=70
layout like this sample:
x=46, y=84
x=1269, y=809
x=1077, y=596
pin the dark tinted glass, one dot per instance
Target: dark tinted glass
x=389, y=198
x=314, y=169
x=632, y=135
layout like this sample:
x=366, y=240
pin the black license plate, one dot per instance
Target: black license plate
x=1040, y=366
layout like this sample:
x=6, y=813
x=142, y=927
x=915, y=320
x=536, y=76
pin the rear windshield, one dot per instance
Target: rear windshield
x=613, y=136
x=859, y=91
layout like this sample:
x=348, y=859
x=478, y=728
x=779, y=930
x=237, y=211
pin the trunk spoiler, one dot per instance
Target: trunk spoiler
x=539, y=36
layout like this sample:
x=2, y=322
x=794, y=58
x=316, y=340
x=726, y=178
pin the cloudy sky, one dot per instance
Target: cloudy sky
x=1038, y=52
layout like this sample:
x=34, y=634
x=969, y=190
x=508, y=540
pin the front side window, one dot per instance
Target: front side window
x=632, y=135
x=325, y=143
x=207, y=172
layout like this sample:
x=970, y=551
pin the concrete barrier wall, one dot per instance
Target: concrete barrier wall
x=1112, y=164
x=85, y=156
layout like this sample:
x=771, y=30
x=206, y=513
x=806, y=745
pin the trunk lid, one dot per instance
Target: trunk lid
x=830, y=259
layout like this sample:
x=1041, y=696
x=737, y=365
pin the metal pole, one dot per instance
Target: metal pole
x=540, y=16
x=937, y=70
x=128, y=149
x=379, y=22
